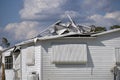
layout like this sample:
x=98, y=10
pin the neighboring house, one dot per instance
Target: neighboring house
x=66, y=56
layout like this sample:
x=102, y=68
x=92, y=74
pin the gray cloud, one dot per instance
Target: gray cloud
x=45, y=10
x=106, y=20
x=41, y=9
x=23, y=30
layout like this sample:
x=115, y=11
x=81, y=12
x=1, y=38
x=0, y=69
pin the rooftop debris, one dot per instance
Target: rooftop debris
x=60, y=28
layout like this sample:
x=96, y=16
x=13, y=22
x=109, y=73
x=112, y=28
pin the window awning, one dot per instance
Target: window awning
x=30, y=56
x=117, y=52
x=69, y=53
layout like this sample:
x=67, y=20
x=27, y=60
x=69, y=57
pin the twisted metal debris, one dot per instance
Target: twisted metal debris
x=60, y=28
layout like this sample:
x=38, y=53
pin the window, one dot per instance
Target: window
x=8, y=62
x=69, y=54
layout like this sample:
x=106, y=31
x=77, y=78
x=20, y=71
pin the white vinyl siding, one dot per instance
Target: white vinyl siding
x=100, y=60
x=26, y=70
x=69, y=53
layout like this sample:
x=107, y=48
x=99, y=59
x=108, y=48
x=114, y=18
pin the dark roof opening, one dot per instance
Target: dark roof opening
x=79, y=35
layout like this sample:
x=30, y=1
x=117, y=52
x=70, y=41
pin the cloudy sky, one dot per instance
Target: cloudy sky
x=24, y=19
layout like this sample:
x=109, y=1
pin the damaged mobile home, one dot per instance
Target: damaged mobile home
x=65, y=52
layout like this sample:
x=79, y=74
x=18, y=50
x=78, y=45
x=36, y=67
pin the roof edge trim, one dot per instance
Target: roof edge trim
x=106, y=32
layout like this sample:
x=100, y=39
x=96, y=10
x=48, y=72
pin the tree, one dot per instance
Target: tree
x=5, y=42
x=115, y=26
x=100, y=29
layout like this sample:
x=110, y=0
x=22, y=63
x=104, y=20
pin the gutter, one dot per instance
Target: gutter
x=64, y=36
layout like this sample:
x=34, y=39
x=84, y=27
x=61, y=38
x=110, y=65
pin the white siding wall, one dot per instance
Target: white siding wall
x=28, y=69
x=9, y=74
x=100, y=61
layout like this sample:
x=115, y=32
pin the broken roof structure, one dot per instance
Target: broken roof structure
x=65, y=30
x=60, y=28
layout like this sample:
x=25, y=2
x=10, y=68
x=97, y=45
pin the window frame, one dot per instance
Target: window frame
x=9, y=62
